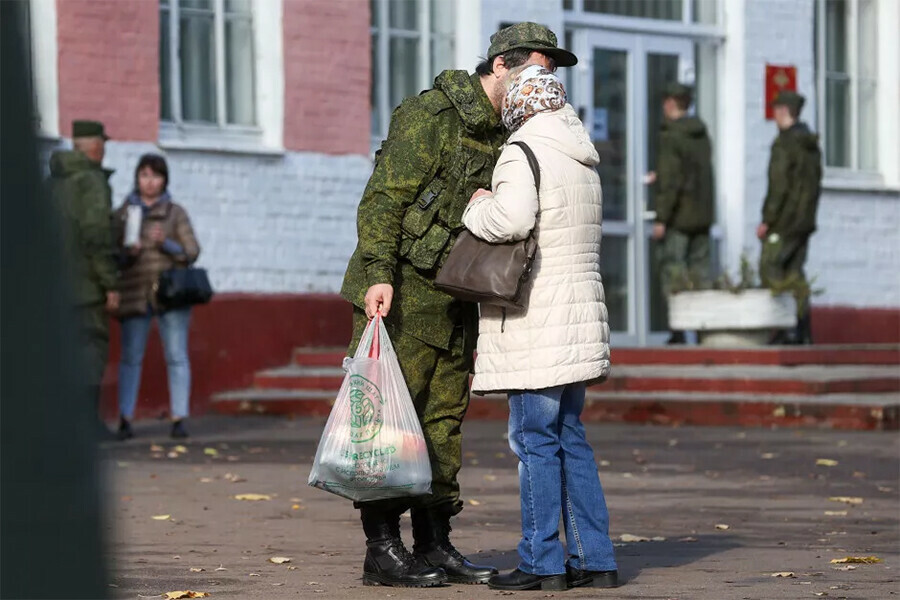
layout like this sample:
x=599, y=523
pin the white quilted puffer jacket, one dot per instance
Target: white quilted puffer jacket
x=563, y=336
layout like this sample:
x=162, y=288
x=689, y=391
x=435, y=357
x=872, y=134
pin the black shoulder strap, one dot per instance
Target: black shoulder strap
x=532, y=162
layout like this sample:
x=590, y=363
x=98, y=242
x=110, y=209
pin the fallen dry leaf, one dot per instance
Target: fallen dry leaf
x=196, y=569
x=279, y=560
x=221, y=568
x=768, y=455
x=722, y=526
x=826, y=462
x=253, y=497
x=254, y=575
x=180, y=449
x=853, y=500
x=185, y=594
x=155, y=448
x=490, y=478
x=783, y=574
x=884, y=488
x=845, y=568
x=862, y=560
x=161, y=517
x=835, y=513
x=296, y=507
x=688, y=539
x=474, y=502
x=820, y=593
x=605, y=463
x=233, y=478
x=292, y=568
x=173, y=454
x=210, y=452
x=206, y=480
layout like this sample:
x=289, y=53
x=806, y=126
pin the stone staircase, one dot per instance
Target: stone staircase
x=841, y=387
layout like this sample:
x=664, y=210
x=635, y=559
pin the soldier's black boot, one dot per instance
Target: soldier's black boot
x=676, y=338
x=388, y=562
x=431, y=532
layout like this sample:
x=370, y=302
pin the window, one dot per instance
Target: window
x=847, y=80
x=690, y=11
x=412, y=41
x=206, y=63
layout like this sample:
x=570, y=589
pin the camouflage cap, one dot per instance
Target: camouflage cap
x=530, y=36
x=83, y=128
x=792, y=100
x=678, y=90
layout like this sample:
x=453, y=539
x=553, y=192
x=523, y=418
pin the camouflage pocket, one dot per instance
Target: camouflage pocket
x=420, y=215
x=424, y=252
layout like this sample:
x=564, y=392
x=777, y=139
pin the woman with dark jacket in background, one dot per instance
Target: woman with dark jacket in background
x=166, y=240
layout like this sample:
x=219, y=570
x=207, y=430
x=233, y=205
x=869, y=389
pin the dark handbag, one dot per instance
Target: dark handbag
x=183, y=287
x=495, y=274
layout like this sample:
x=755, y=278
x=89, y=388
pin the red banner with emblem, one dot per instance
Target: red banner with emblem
x=778, y=78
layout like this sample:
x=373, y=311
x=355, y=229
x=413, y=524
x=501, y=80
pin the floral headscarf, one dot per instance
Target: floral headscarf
x=532, y=91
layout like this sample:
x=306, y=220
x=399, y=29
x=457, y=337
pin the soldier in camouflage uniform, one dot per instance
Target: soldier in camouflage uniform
x=441, y=147
x=789, y=211
x=684, y=197
x=81, y=189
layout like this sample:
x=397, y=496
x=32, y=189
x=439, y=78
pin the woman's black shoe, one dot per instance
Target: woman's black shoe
x=520, y=580
x=178, y=430
x=125, y=432
x=597, y=579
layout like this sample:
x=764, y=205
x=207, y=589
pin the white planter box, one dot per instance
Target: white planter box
x=725, y=319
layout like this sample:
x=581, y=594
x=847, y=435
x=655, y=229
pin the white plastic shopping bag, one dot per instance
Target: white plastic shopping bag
x=372, y=447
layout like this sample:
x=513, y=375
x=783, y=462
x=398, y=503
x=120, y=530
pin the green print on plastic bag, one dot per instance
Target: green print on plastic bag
x=365, y=409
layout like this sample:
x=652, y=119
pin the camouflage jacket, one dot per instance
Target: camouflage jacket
x=684, y=184
x=795, y=176
x=441, y=147
x=81, y=189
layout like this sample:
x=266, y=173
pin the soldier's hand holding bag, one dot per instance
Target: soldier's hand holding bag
x=372, y=447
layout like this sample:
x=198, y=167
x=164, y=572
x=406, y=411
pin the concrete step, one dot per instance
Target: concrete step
x=874, y=354
x=761, y=379
x=834, y=411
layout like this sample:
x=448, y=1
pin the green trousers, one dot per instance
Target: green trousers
x=94, y=340
x=684, y=261
x=781, y=263
x=438, y=382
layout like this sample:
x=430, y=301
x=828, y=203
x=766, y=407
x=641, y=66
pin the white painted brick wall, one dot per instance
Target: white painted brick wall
x=855, y=255
x=266, y=224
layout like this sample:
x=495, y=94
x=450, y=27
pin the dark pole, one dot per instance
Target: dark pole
x=50, y=541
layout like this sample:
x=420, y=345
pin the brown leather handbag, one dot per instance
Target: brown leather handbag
x=496, y=274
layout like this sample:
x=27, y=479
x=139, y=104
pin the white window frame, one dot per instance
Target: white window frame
x=268, y=64
x=44, y=60
x=424, y=77
x=578, y=17
x=848, y=176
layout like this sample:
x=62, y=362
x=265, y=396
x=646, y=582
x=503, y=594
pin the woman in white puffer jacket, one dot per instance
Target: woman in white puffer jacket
x=545, y=356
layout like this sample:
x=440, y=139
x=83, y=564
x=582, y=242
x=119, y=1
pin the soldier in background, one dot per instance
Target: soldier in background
x=684, y=198
x=789, y=211
x=441, y=147
x=81, y=191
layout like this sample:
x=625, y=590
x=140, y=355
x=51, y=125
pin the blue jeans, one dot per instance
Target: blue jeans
x=173, y=328
x=558, y=475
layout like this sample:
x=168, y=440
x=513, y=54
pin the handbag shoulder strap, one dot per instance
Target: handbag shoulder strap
x=533, y=163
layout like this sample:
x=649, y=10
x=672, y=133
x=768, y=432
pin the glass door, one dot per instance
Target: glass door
x=620, y=102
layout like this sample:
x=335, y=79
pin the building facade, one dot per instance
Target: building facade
x=269, y=112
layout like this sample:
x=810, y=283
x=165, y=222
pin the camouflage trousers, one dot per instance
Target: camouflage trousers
x=438, y=382
x=684, y=261
x=94, y=341
x=781, y=265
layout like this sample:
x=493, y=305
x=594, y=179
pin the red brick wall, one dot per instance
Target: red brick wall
x=109, y=66
x=326, y=76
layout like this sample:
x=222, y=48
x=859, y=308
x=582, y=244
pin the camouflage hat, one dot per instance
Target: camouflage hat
x=678, y=90
x=792, y=100
x=82, y=128
x=530, y=36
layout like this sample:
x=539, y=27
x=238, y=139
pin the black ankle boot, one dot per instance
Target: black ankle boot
x=125, y=431
x=519, y=581
x=431, y=531
x=599, y=579
x=388, y=562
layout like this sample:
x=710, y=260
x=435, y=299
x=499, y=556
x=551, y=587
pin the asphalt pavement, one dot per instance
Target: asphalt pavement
x=723, y=510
